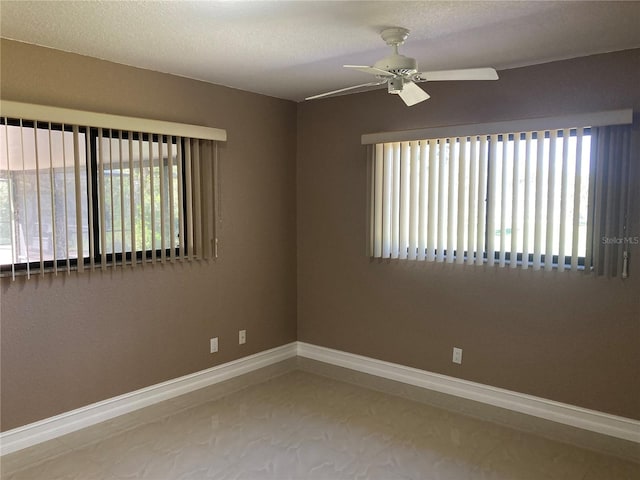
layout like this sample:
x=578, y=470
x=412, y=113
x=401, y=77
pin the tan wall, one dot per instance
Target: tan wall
x=70, y=341
x=568, y=337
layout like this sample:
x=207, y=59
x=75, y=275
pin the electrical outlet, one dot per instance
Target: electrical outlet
x=213, y=345
x=457, y=355
x=242, y=337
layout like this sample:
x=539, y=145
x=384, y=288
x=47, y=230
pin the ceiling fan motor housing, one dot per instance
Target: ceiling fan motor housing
x=398, y=65
x=395, y=84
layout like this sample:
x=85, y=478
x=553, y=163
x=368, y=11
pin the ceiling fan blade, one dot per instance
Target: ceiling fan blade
x=371, y=84
x=464, y=74
x=412, y=94
x=371, y=70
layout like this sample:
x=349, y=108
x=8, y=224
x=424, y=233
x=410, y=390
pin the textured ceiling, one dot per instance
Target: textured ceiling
x=296, y=49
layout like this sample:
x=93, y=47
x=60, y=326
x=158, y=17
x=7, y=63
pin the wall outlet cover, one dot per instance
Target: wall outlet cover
x=457, y=355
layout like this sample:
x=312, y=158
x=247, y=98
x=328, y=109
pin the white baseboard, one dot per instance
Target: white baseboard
x=612, y=425
x=49, y=428
x=53, y=427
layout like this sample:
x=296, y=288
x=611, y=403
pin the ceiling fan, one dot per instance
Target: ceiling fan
x=401, y=73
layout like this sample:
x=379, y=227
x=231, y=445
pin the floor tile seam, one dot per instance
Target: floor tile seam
x=496, y=422
x=108, y=465
x=577, y=445
x=72, y=446
x=229, y=393
x=178, y=411
x=52, y=458
x=39, y=461
x=440, y=408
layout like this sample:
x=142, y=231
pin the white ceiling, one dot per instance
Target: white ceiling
x=294, y=49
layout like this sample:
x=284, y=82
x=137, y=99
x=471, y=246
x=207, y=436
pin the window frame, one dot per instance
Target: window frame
x=378, y=143
x=519, y=260
x=95, y=204
x=91, y=197
x=197, y=143
x=49, y=265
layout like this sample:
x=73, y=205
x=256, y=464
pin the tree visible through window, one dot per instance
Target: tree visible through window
x=146, y=178
x=72, y=195
x=37, y=196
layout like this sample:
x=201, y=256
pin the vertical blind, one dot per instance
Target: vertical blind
x=149, y=187
x=609, y=238
x=517, y=198
x=90, y=197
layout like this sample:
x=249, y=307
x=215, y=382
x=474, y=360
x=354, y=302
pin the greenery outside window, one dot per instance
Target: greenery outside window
x=76, y=196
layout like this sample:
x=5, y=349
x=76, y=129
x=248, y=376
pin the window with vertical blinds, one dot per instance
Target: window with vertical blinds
x=89, y=196
x=518, y=198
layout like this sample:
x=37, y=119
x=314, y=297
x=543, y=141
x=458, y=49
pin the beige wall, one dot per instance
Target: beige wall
x=70, y=341
x=568, y=337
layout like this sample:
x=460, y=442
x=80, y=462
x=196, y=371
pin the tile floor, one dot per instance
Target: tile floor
x=300, y=425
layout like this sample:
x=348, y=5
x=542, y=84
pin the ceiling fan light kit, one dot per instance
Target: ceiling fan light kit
x=400, y=72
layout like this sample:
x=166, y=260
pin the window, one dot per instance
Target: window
x=40, y=220
x=139, y=180
x=523, y=198
x=83, y=196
